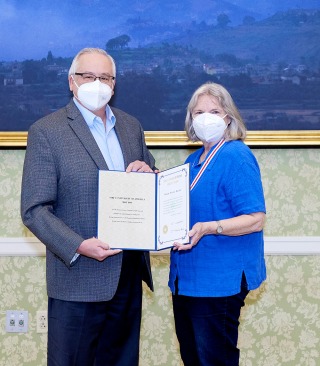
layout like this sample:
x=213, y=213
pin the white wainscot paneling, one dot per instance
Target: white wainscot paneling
x=290, y=245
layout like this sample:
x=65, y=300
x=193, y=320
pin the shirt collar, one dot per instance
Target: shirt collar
x=90, y=117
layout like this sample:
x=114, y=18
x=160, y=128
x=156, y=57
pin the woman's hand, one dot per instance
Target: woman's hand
x=196, y=233
x=236, y=226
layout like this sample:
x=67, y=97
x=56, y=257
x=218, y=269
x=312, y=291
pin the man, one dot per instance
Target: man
x=94, y=292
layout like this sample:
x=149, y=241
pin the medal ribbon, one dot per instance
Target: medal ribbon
x=206, y=163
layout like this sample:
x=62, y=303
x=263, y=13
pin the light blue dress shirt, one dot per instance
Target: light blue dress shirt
x=106, y=138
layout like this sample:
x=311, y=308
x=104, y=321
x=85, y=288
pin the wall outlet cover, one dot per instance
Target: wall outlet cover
x=17, y=321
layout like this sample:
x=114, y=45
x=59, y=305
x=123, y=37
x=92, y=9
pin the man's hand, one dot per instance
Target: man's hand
x=139, y=166
x=95, y=248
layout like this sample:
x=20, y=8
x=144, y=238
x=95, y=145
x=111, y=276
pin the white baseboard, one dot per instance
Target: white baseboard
x=274, y=245
x=22, y=246
x=292, y=245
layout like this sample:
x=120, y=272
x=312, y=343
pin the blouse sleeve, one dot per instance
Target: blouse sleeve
x=245, y=189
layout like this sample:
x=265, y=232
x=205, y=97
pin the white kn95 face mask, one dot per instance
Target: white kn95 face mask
x=209, y=127
x=94, y=95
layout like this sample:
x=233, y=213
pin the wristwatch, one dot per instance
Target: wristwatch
x=219, y=228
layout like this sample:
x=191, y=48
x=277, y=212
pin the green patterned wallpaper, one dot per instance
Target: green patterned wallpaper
x=291, y=183
x=290, y=178
x=280, y=324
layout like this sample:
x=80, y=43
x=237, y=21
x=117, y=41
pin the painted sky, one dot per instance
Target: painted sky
x=31, y=28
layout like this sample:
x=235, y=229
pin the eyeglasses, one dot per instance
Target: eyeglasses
x=87, y=77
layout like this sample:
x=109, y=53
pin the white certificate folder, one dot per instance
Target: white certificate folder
x=145, y=211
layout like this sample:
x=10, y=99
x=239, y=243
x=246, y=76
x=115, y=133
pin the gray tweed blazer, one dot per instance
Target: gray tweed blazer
x=59, y=200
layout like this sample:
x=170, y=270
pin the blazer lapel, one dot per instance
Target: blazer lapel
x=81, y=129
x=123, y=136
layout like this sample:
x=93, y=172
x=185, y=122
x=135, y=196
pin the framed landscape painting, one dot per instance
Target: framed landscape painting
x=267, y=54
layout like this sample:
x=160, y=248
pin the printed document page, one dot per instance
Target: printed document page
x=145, y=211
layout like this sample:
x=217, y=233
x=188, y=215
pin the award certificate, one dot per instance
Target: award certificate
x=144, y=211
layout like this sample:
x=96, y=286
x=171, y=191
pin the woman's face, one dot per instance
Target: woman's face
x=208, y=104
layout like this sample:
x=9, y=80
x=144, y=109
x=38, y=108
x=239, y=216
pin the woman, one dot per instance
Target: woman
x=211, y=277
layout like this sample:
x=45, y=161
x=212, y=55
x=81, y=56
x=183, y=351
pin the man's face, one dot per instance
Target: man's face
x=91, y=63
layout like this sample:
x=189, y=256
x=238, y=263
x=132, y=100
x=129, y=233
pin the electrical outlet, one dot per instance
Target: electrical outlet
x=16, y=321
x=42, y=321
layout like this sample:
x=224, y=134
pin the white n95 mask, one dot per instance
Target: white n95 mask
x=94, y=95
x=209, y=127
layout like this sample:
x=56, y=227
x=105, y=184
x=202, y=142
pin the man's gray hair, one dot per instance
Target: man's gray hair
x=88, y=50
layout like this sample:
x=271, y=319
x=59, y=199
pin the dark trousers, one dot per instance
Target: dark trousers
x=102, y=333
x=207, y=328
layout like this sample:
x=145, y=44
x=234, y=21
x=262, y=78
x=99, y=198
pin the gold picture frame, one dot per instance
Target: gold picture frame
x=301, y=138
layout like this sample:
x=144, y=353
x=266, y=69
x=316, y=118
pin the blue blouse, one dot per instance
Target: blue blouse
x=230, y=186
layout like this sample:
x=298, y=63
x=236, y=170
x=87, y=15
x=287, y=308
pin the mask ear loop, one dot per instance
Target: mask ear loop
x=229, y=118
x=75, y=82
x=77, y=87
